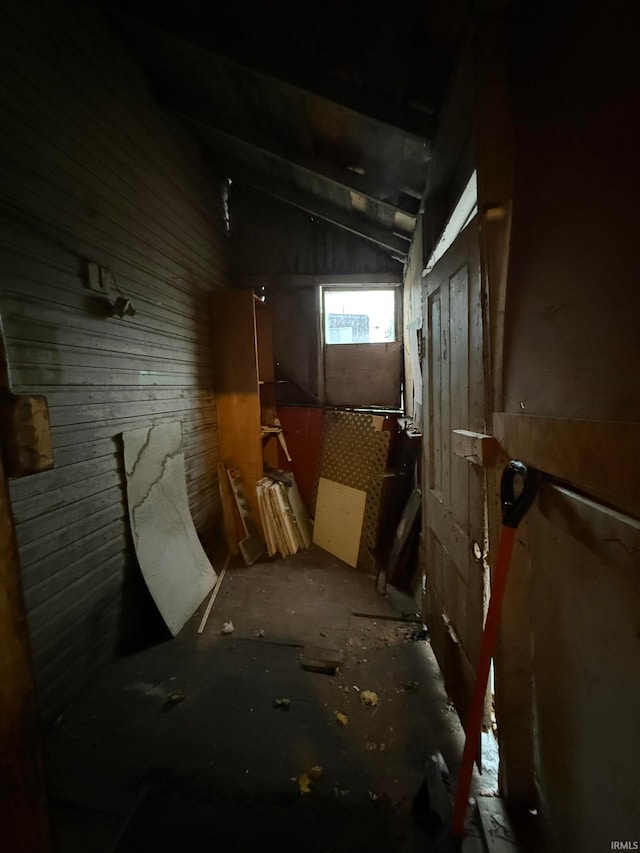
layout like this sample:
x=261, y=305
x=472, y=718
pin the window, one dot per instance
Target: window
x=359, y=316
x=363, y=358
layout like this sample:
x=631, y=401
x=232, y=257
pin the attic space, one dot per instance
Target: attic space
x=318, y=426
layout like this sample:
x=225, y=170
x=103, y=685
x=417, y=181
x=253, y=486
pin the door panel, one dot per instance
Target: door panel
x=454, y=505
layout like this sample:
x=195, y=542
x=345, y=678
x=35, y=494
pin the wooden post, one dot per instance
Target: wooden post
x=494, y=163
x=23, y=816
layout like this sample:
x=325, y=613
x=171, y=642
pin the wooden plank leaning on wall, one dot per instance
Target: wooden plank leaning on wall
x=23, y=815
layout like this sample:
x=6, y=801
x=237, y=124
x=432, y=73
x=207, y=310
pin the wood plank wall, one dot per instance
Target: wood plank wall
x=91, y=170
x=269, y=237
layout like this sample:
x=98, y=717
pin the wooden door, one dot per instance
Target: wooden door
x=454, y=487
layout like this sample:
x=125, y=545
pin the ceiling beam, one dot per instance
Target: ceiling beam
x=346, y=180
x=144, y=33
x=314, y=206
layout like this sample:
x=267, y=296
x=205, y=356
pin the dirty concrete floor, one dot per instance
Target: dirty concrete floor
x=130, y=770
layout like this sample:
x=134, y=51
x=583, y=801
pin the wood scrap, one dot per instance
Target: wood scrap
x=268, y=523
x=300, y=515
x=284, y=518
x=408, y=526
x=326, y=661
x=496, y=826
x=252, y=546
x=215, y=592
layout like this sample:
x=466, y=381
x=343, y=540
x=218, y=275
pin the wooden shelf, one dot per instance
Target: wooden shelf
x=245, y=387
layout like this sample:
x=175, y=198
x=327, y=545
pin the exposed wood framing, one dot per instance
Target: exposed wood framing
x=397, y=246
x=475, y=447
x=165, y=41
x=494, y=156
x=343, y=178
x=284, y=281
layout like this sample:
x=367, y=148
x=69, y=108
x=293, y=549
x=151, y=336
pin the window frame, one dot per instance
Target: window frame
x=398, y=338
x=395, y=287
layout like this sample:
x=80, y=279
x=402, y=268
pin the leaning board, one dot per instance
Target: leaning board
x=339, y=518
x=172, y=560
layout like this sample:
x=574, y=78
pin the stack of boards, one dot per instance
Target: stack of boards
x=284, y=519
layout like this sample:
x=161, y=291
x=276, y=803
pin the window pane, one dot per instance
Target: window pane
x=359, y=316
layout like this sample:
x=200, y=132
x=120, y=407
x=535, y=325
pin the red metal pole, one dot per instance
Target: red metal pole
x=476, y=709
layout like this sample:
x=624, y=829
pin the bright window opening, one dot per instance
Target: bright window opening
x=359, y=316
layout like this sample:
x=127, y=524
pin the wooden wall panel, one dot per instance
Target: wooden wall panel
x=303, y=431
x=269, y=237
x=363, y=374
x=92, y=171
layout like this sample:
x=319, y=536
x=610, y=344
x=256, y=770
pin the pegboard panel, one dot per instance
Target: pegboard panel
x=355, y=452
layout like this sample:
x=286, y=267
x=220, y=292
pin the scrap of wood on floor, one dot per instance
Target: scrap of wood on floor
x=327, y=661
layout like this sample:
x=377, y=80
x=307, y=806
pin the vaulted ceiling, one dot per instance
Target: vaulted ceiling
x=331, y=107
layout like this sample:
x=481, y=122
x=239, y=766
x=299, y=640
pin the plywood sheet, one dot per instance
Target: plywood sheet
x=339, y=518
x=355, y=453
x=172, y=560
x=363, y=374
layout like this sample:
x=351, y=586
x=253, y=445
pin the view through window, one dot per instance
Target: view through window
x=359, y=316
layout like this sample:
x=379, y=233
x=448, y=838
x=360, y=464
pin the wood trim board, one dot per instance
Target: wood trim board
x=598, y=457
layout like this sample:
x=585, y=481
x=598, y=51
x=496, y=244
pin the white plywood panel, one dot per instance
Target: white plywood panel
x=172, y=560
x=339, y=518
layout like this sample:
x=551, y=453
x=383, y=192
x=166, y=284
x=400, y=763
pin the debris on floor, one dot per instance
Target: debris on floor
x=411, y=686
x=431, y=807
x=305, y=779
x=243, y=754
x=173, y=699
x=418, y=636
x=227, y=628
x=369, y=697
x=304, y=783
x=259, y=634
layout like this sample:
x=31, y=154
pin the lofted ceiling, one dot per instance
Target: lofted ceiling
x=329, y=107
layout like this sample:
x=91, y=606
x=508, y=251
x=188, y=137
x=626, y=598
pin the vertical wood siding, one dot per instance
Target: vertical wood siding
x=90, y=170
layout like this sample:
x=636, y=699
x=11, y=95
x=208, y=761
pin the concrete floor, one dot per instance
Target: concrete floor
x=131, y=771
